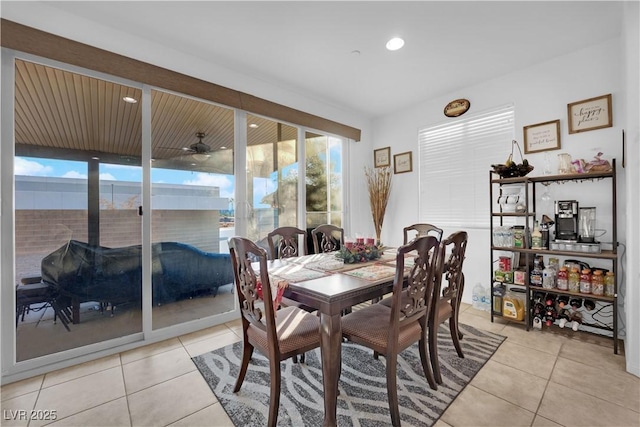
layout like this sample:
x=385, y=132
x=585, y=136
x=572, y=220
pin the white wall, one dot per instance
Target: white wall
x=540, y=93
x=631, y=48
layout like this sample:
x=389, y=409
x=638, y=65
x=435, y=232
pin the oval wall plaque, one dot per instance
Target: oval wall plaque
x=456, y=108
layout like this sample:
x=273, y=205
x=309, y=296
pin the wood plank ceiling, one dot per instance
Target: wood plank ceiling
x=65, y=115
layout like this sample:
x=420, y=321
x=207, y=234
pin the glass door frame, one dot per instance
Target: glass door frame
x=12, y=370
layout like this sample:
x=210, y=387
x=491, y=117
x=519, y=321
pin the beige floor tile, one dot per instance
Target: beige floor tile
x=81, y=370
x=213, y=343
x=18, y=388
x=615, y=387
x=539, y=421
x=149, y=350
x=538, y=340
x=594, y=355
x=204, y=334
x=114, y=413
x=155, y=369
x=441, y=423
x=170, y=401
x=511, y=384
x=570, y=407
x=89, y=391
x=16, y=411
x=525, y=359
x=480, y=321
x=214, y=414
x=474, y=407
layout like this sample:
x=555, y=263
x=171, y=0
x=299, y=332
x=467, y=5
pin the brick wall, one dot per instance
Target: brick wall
x=43, y=231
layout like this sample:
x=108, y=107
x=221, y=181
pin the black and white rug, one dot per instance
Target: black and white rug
x=363, y=393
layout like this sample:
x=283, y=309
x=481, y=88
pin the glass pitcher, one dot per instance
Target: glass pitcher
x=564, y=163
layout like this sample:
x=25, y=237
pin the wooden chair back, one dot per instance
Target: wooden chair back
x=327, y=238
x=284, y=242
x=415, y=230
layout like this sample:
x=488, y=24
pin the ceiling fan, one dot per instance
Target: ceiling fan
x=199, y=150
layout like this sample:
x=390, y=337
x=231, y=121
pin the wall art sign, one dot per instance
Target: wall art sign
x=382, y=157
x=590, y=114
x=402, y=162
x=542, y=137
x=457, y=108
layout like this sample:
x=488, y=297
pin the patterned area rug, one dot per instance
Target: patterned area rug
x=363, y=393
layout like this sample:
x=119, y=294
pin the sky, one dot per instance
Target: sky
x=28, y=166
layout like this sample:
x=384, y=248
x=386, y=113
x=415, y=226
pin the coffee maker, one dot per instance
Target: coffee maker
x=566, y=220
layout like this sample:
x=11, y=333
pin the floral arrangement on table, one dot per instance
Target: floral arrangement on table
x=379, y=186
x=352, y=253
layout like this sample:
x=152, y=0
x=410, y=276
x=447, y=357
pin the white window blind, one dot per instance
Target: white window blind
x=454, y=163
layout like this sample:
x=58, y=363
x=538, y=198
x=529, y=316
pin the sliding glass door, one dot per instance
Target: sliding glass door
x=77, y=182
x=192, y=216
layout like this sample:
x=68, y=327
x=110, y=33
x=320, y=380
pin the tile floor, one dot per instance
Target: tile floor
x=534, y=379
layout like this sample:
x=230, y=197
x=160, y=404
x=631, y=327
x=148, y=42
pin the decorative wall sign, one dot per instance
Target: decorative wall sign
x=402, y=162
x=542, y=137
x=382, y=157
x=457, y=108
x=590, y=114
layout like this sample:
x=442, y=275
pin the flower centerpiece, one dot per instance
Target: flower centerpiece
x=358, y=252
x=379, y=185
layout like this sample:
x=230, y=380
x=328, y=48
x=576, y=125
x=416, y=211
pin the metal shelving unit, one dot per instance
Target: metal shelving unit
x=497, y=218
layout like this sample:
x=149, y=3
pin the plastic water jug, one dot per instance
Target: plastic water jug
x=478, y=295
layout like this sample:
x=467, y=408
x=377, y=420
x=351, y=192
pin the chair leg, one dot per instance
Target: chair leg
x=302, y=358
x=376, y=355
x=426, y=364
x=392, y=388
x=247, y=351
x=274, y=398
x=455, y=335
x=433, y=352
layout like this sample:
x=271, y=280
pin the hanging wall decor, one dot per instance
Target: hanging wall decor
x=590, y=114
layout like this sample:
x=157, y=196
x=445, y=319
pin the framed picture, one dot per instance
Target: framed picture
x=382, y=157
x=542, y=137
x=402, y=162
x=590, y=114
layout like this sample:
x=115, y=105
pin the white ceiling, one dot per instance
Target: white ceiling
x=307, y=47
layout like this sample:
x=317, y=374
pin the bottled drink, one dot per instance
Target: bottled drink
x=536, y=273
x=574, y=280
x=563, y=279
x=585, y=281
x=609, y=284
x=597, y=283
x=477, y=295
x=536, y=237
x=549, y=277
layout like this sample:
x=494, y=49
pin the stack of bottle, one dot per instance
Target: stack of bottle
x=572, y=278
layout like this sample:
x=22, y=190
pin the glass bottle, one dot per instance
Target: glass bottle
x=549, y=277
x=563, y=279
x=597, y=283
x=609, y=284
x=536, y=274
x=536, y=237
x=585, y=281
x=574, y=280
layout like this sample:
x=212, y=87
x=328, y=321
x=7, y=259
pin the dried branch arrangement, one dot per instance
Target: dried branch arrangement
x=379, y=185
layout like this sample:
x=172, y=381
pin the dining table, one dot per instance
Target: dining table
x=325, y=283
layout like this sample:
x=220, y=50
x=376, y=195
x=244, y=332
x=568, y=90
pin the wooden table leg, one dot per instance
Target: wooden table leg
x=331, y=350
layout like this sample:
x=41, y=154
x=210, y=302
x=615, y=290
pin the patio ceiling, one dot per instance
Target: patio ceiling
x=60, y=114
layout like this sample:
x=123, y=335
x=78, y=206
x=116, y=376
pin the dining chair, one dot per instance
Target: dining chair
x=327, y=238
x=284, y=242
x=415, y=230
x=389, y=329
x=447, y=299
x=278, y=335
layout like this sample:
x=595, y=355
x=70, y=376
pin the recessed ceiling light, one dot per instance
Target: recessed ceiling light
x=130, y=99
x=395, y=43
x=253, y=125
x=223, y=147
